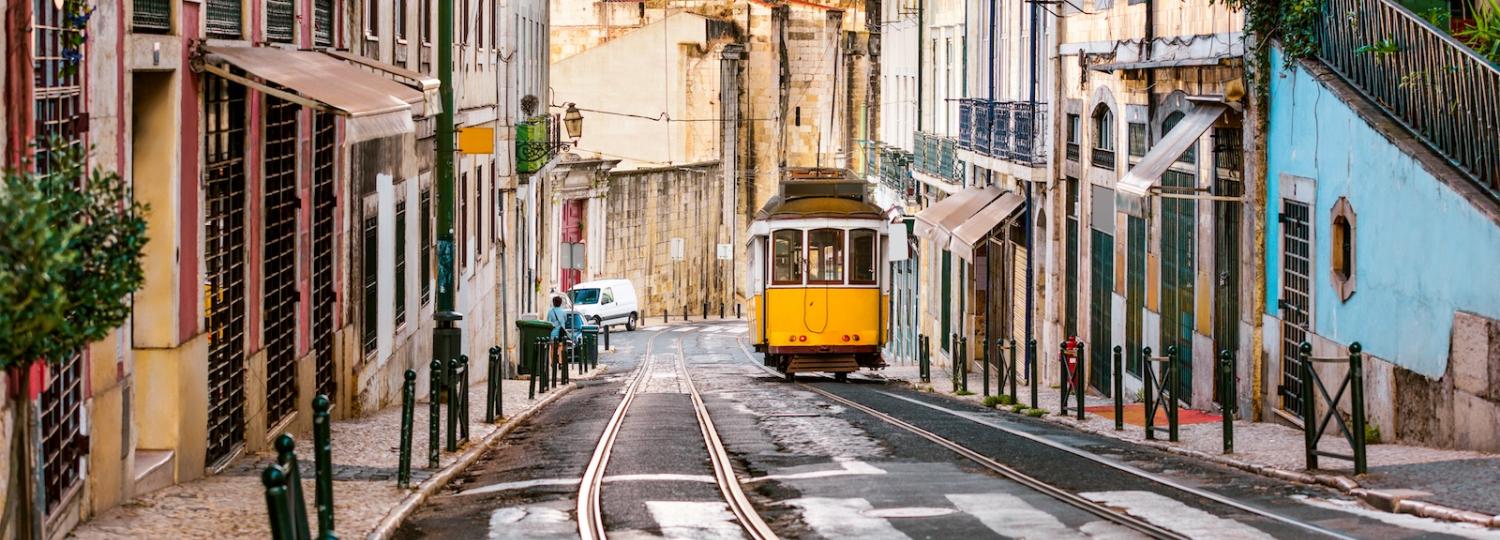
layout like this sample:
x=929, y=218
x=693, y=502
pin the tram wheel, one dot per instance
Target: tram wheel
x=841, y=377
x=791, y=377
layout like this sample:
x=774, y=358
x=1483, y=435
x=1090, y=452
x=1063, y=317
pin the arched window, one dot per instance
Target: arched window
x=1191, y=155
x=1104, y=137
x=862, y=259
x=1343, y=248
x=786, y=253
x=825, y=256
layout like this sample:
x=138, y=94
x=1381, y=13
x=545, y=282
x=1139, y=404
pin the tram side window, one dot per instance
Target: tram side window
x=825, y=256
x=862, y=256
x=787, y=251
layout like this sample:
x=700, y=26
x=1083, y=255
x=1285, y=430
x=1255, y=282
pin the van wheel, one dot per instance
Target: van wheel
x=841, y=377
x=630, y=323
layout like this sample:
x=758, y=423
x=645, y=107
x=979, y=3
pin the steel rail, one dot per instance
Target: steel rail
x=729, y=482
x=590, y=511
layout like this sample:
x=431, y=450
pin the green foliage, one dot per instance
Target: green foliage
x=1372, y=434
x=1484, y=35
x=991, y=401
x=1380, y=48
x=1036, y=413
x=962, y=393
x=1018, y=408
x=70, y=253
x=1007, y=399
x=1439, y=16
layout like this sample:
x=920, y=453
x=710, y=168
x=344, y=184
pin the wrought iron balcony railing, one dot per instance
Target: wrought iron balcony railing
x=1008, y=130
x=965, y=123
x=1434, y=85
x=151, y=16
x=937, y=155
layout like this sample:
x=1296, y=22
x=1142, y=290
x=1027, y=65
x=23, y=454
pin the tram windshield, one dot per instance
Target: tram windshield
x=825, y=256
x=862, y=256
x=787, y=253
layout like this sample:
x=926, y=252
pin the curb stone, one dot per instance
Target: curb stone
x=1378, y=499
x=393, y=519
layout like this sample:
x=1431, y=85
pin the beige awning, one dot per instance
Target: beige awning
x=375, y=107
x=1139, y=181
x=973, y=231
x=938, y=221
x=428, y=85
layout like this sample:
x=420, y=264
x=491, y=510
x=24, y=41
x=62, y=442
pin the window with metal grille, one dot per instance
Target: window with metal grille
x=280, y=20
x=63, y=446
x=400, y=254
x=371, y=278
x=323, y=23
x=1178, y=241
x=1074, y=136
x=1139, y=141
x=1296, y=272
x=461, y=241
x=1101, y=305
x=279, y=263
x=426, y=245
x=497, y=211
x=224, y=18
x=153, y=16
x=479, y=188
x=224, y=254
x=1228, y=181
x=324, y=208
x=1191, y=154
x=1135, y=290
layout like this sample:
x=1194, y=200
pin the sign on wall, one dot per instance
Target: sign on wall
x=725, y=252
x=678, y=250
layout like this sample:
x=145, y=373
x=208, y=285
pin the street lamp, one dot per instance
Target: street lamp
x=573, y=120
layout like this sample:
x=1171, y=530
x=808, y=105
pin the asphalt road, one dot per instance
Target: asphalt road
x=814, y=468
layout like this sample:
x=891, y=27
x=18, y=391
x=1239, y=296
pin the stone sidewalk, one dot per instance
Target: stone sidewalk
x=231, y=504
x=1452, y=485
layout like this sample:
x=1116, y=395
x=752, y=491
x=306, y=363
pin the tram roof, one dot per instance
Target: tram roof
x=819, y=207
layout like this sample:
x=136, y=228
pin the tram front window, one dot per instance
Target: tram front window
x=862, y=256
x=787, y=253
x=825, y=256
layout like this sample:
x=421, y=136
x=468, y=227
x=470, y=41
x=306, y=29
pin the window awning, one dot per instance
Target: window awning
x=973, y=231
x=375, y=107
x=428, y=85
x=1138, y=182
x=938, y=221
x=1164, y=63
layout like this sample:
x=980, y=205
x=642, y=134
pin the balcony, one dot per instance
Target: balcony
x=151, y=16
x=937, y=155
x=1101, y=158
x=965, y=123
x=1437, y=87
x=891, y=164
x=537, y=140
x=1009, y=130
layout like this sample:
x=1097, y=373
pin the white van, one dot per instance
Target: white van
x=606, y=301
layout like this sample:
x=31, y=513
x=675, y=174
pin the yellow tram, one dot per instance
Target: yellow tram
x=818, y=276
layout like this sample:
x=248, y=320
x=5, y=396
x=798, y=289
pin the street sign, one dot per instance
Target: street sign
x=476, y=140
x=677, y=249
x=726, y=252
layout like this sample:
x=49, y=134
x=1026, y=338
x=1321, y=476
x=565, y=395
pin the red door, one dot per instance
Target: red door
x=570, y=252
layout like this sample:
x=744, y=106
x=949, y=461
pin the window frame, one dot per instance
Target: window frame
x=372, y=19
x=840, y=244
x=874, y=245
x=799, y=264
x=1343, y=248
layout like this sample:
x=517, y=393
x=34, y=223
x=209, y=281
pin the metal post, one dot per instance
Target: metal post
x=1119, y=389
x=1078, y=378
x=984, y=365
x=721, y=310
x=963, y=363
x=1357, y=404
x=1031, y=371
x=463, y=404
x=408, y=410
x=286, y=457
x=531, y=369
x=323, y=454
x=664, y=315
x=705, y=310
x=434, y=408
x=1176, y=384
x=606, y=343
x=684, y=312
x=1227, y=397
x=923, y=362
x=277, y=506
x=446, y=333
x=1064, y=391
x=953, y=359
x=736, y=310
x=570, y=356
x=1013, y=380
x=453, y=407
x=492, y=385
x=1309, y=438
x=1148, y=376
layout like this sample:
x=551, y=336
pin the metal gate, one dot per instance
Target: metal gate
x=224, y=254
x=1179, y=220
x=279, y=265
x=1135, y=290
x=1296, y=266
x=1101, y=305
x=324, y=206
x=1228, y=164
x=57, y=102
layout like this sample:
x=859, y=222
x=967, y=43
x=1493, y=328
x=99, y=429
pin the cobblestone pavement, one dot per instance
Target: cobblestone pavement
x=232, y=504
x=1455, y=478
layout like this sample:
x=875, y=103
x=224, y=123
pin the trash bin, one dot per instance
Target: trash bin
x=447, y=342
x=530, y=332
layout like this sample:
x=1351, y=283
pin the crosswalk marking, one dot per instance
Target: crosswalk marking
x=839, y=519
x=526, y=522
x=1009, y=515
x=692, y=520
x=1172, y=514
x=685, y=329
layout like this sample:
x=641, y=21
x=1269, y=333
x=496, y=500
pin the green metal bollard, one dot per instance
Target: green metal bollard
x=434, y=407
x=1031, y=371
x=453, y=407
x=1176, y=382
x=963, y=364
x=922, y=360
x=408, y=410
x=1078, y=377
x=1310, y=440
x=1064, y=391
x=1148, y=378
x=1227, y=397
x=323, y=453
x=984, y=366
x=492, y=382
x=286, y=457
x=463, y=401
x=533, y=377
x=1013, y=381
x=570, y=357
x=1119, y=389
x=1357, y=404
x=278, y=506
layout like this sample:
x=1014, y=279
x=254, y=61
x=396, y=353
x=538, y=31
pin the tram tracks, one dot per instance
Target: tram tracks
x=590, y=491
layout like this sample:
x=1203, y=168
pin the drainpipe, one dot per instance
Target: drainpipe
x=921, y=95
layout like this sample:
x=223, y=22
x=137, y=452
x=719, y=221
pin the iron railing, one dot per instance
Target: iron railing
x=151, y=16
x=895, y=170
x=983, y=109
x=966, y=123
x=1431, y=83
x=1009, y=130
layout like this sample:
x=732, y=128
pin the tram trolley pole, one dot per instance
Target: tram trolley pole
x=1119, y=388
x=408, y=411
x=1164, y=394
x=1314, y=426
x=1227, y=397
